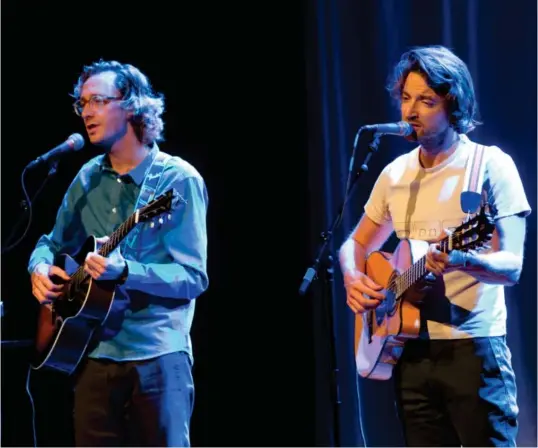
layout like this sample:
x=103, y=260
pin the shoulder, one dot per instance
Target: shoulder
x=183, y=176
x=179, y=168
x=494, y=156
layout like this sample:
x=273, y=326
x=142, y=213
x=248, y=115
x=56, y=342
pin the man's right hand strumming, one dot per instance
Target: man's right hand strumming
x=43, y=289
x=357, y=285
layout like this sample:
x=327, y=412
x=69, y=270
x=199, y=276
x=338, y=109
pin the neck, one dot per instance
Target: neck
x=438, y=148
x=126, y=154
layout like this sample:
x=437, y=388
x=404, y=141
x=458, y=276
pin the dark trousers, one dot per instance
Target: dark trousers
x=457, y=393
x=136, y=403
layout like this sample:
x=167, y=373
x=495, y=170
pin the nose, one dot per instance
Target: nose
x=410, y=111
x=86, y=112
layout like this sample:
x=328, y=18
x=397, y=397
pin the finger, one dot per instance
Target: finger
x=102, y=239
x=88, y=269
x=41, y=288
x=371, y=284
x=361, y=288
x=55, y=270
x=96, y=259
x=41, y=279
x=352, y=306
x=46, y=293
x=433, y=267
x=40, y=296
x=364, y=302
x=95, y=264
x=438, y=264
x=358, y=297
x=355, y=307
x=439, y=256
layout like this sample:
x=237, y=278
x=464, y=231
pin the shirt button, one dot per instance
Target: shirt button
x=119, y=180
x=114, y=210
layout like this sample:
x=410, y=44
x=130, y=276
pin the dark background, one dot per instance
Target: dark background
x=264, y=101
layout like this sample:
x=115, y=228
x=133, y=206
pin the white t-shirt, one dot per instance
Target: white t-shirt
x=421, y=202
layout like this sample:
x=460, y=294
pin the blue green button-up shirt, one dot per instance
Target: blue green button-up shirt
x=167, y=261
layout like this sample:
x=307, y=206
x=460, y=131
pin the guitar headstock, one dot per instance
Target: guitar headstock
x=473, y=234
x=161, y=204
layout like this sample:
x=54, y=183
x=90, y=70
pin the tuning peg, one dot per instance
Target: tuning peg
x=169, y=216
x=152, y=224
x=161, y=220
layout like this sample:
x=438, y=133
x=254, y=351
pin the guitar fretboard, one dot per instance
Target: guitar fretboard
x=80, y=276
x=417, y=270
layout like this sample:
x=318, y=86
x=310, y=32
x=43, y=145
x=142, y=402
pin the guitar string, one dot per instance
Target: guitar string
x=80, y=275
x=401, y=283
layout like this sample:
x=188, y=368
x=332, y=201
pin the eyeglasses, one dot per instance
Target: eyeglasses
x=95, y=102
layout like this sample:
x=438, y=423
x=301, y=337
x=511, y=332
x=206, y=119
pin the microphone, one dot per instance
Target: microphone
x=73, y=143
x=402, y=128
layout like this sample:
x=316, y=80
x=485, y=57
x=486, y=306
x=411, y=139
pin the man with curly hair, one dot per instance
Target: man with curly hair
x=135, y=385
x=455, y=384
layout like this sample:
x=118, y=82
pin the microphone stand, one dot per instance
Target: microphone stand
x=325, y=258
x=27, y=205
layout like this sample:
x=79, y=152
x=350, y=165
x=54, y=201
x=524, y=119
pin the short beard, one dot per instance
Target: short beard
x=436, y=142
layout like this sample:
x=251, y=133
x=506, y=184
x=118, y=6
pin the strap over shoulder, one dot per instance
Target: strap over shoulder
x=471, y=193
x=148, y=189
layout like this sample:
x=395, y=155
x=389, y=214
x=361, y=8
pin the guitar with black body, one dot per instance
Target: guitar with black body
x=65, y=327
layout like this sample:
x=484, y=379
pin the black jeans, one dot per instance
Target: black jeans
x=457, y=393
x=135, y=403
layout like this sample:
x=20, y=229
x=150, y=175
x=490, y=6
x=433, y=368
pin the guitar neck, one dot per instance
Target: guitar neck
x=115, y=239
x=118, y=235
x=417, y=271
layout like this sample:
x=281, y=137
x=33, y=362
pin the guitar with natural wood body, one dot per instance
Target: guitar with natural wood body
x=380, y=333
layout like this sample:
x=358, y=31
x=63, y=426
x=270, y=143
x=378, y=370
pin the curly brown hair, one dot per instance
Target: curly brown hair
x=137, y=94
x=447, y=75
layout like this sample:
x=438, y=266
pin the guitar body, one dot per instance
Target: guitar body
x=64, y=330
x=380, y=333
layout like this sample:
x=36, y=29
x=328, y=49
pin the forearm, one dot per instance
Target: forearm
x=352, y=257
x=501, y=267
x=44, y=252
x=185, y=275
x=166, y=280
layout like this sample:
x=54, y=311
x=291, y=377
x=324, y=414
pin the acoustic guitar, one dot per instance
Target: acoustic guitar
x=65, y=327
x=380, y=333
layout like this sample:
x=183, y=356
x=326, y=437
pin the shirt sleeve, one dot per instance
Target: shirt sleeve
x=66, y=233
x=506, y=194
x=185, y=277
x=376, y=208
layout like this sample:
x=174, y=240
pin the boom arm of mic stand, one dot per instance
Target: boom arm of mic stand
x=312, y=271
x=27, y=207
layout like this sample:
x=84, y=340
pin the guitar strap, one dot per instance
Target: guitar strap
x=471, y=193
x=147, y=192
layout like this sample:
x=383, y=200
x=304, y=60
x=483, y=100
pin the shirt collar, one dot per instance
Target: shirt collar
x=138, y=173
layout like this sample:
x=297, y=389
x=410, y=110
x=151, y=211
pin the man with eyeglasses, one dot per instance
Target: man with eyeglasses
x=135, y=385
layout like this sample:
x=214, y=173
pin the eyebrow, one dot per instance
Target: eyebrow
x=427, y=96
